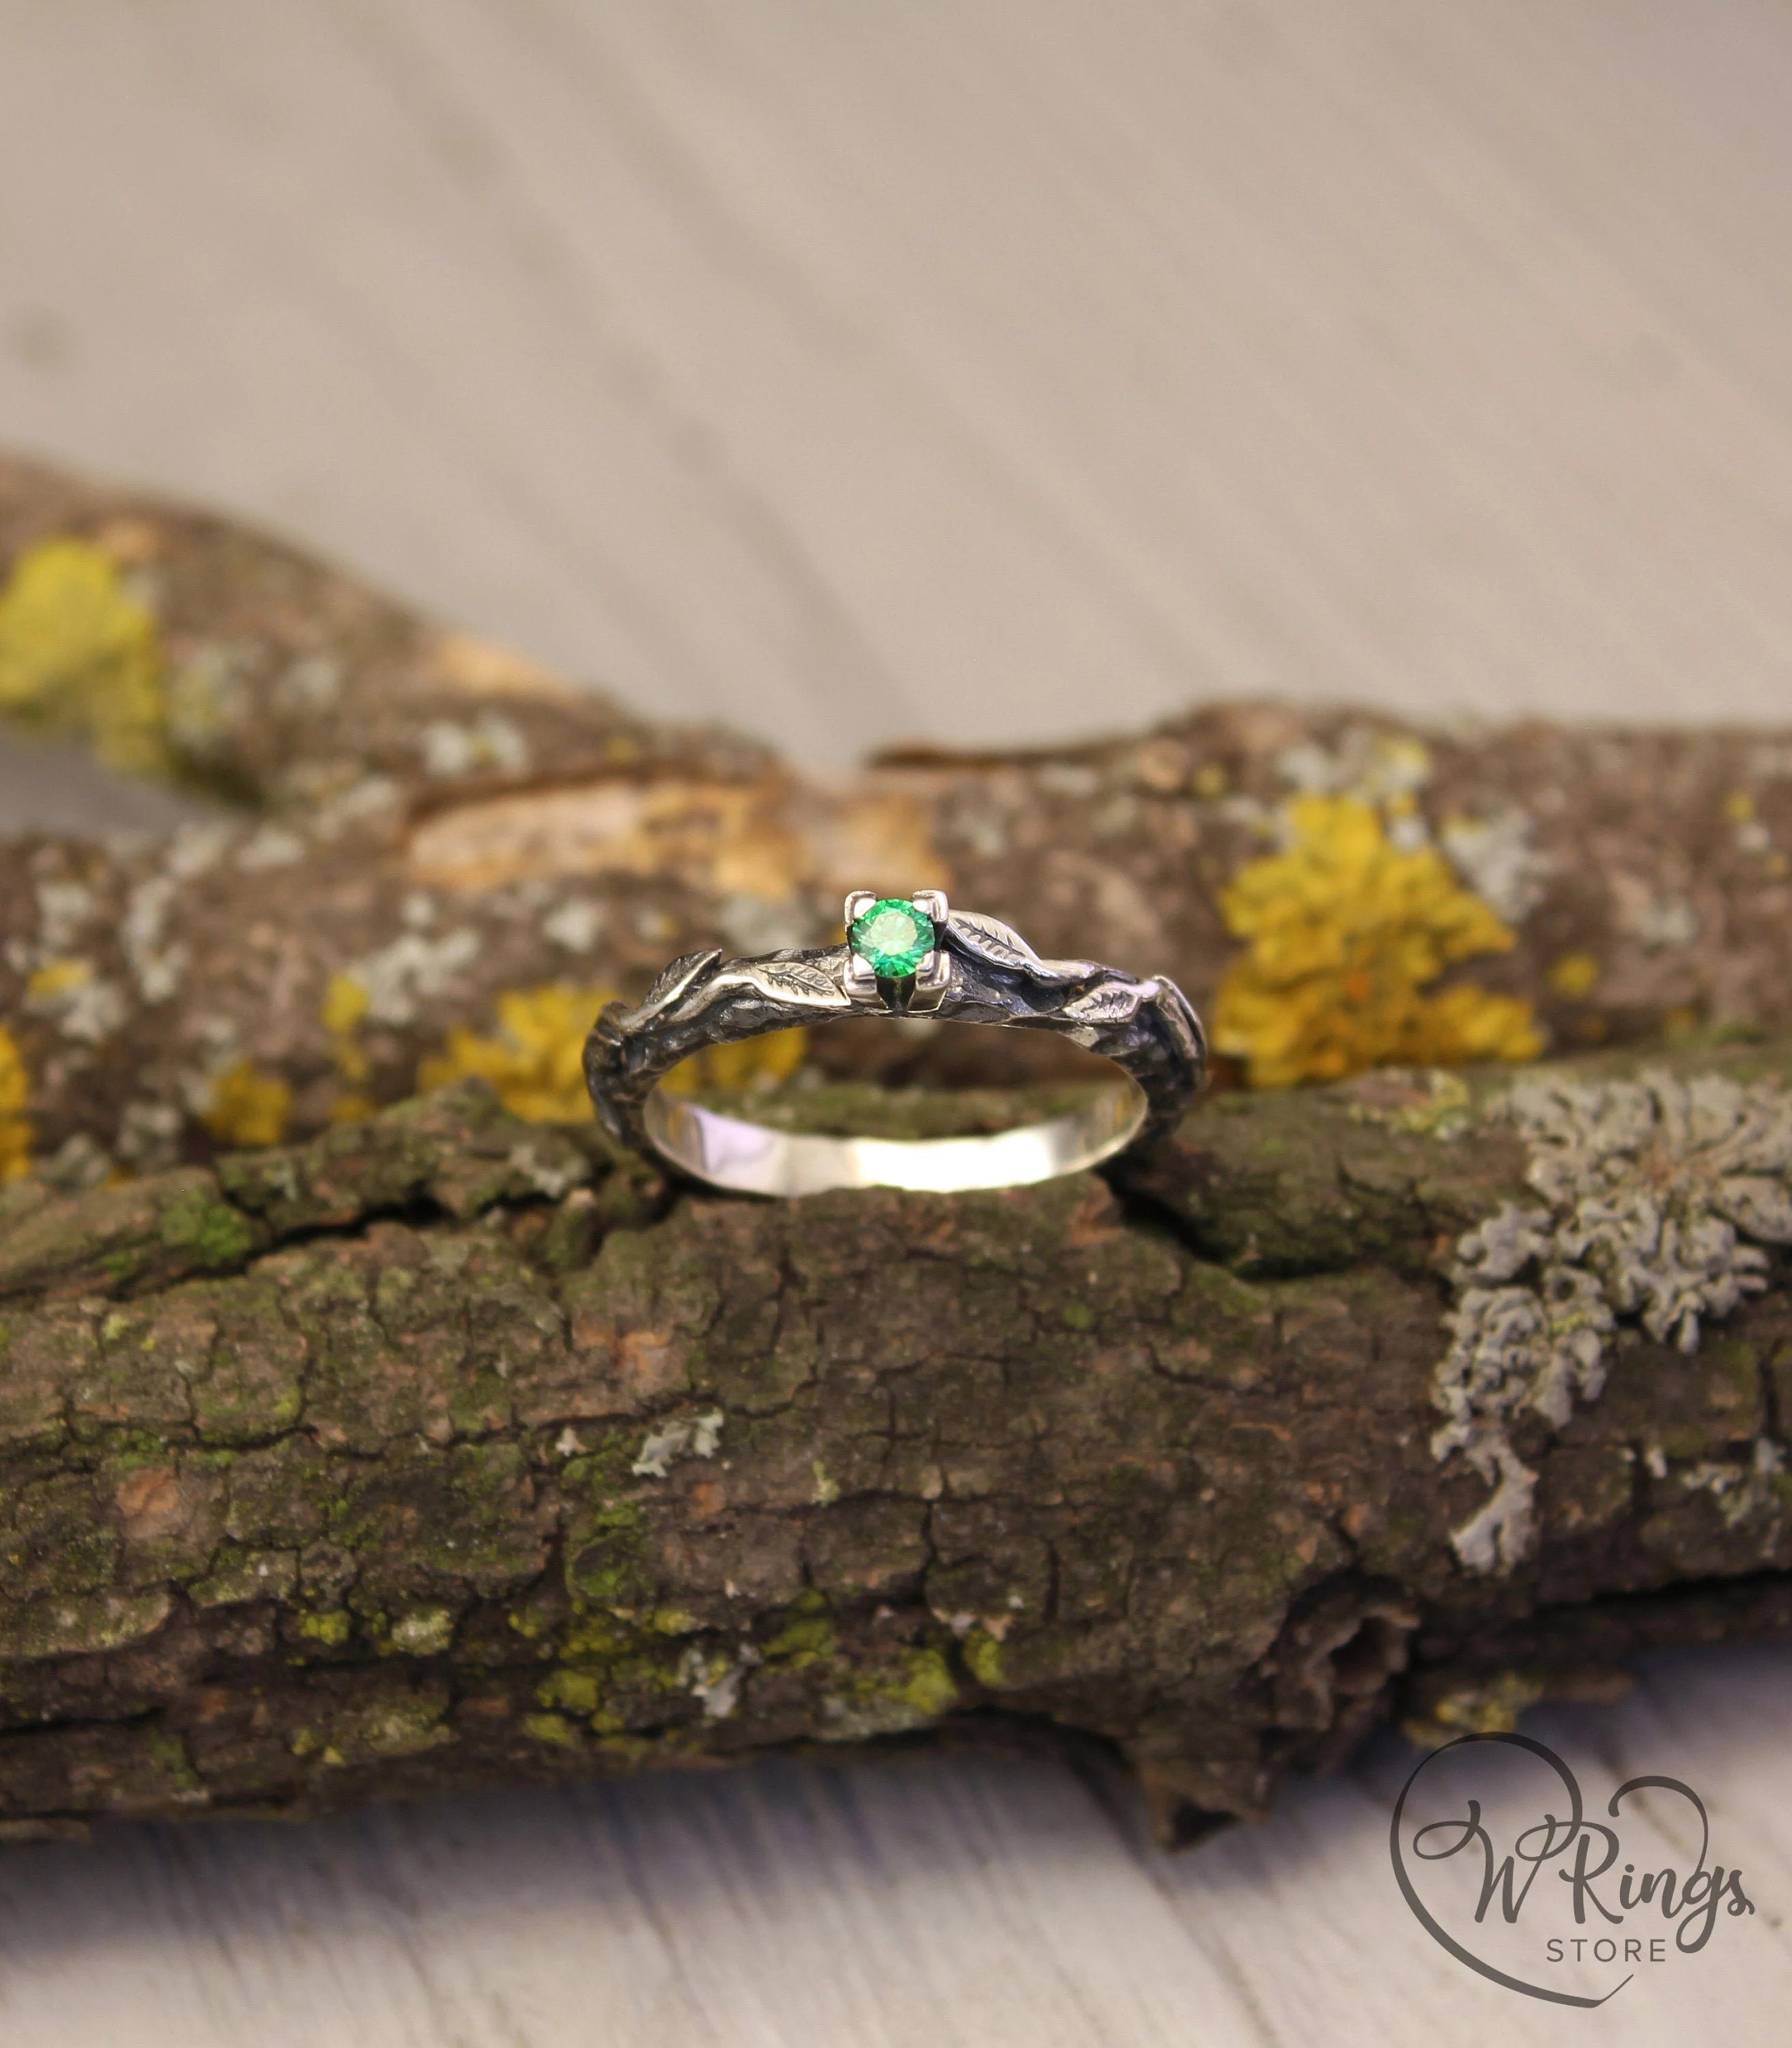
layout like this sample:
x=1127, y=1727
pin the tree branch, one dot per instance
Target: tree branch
x=447, y=1448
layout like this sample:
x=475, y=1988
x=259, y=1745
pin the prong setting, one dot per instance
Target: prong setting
x=857, y=978
x=933, y=978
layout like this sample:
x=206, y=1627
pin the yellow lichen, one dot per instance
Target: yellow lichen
x=79, y=655
x=553, y=1729
x=982, y=1656
x=747, y=1064
x=1345, y=933
x=1492, y=1707
x=17, y=1134
x=1575, y=975
x=247, y=1108
x=344, y=1005
x=49, y=983
x=533, y=1059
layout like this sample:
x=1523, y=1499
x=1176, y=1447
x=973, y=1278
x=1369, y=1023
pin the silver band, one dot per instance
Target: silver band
x=976, y=971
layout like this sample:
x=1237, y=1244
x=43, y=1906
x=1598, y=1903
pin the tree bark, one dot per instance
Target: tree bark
x=427, y=1444
x=448, y=1449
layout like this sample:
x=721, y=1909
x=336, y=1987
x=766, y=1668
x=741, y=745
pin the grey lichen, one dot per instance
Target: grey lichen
x=1496, y=857
x=697, y=1438
x=1744, y=1490
x=452, y=748
x=715, y=1676
x=1651, y=1192
x=413, y=968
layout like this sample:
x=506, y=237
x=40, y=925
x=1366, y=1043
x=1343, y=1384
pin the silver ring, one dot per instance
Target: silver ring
x=903, y=957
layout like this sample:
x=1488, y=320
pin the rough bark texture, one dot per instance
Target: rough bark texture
x=445, y=1449
x=439, y=1445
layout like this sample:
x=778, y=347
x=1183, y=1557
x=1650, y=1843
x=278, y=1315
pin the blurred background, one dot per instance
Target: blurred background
x=981, y=373
x=975, y=372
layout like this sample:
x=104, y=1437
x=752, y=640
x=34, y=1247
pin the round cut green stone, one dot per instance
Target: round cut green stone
x=893, y=938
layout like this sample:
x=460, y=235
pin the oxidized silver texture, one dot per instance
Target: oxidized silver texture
x=981, y=972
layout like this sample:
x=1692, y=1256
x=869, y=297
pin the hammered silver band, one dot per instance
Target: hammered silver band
x=978, y=971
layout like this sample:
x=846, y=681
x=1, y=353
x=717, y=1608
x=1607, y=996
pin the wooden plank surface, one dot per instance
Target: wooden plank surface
x=981, y=372
x=955, y=369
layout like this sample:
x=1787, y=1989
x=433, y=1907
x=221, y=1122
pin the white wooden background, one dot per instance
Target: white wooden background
x=986, y=371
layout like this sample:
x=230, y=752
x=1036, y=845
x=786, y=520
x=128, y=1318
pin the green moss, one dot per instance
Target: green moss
x=1078, y=1316
x=579, y=1690
x=604, y=1568
x=607, y=1537
x=670, y=1621
x=210, y=1232
x=332, y=1627
x=611, y=1674
x=555, y=1730
x=119, y=1449
x=805, y=1635
x=928, y=1685
x=239, y=1573
x=171, y=1761
x=983, y=1657
x=893, y=1697
x=402, y=1728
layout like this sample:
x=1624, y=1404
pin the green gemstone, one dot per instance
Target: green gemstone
x=892, y=938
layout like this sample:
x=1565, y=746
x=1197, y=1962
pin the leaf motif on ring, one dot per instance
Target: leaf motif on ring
x=672, y=983
x=787, y=981
x=1111, y=1002
x=1184, y=1025
x=1002, y=946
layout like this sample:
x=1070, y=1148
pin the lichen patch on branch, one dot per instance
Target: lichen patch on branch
x=80, y=654
x=16, y=1135
x=1347, y=930
x=1658, y=1195
x=535, y=1057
